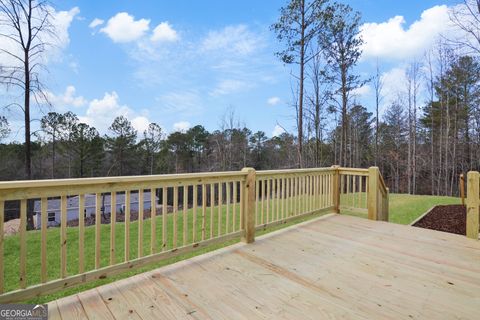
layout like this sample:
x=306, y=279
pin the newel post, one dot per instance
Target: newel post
x=372, y=204
x=249, y=206
x=473, y=202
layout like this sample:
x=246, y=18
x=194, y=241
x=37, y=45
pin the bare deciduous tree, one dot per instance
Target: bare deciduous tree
x=466, y=17
x=25, y=26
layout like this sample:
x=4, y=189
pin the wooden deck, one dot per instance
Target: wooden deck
x=333, y=267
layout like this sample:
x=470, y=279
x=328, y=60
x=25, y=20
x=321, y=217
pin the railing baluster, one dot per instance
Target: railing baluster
x=227, y=222
x=153, y=220
x=194, y=222
x=63, y=237
x=220, y=200
x=324, y=191
x=242, y=204
x=43, y=250
x=140, y=222
x=278, y=198
x=294, y=196
x=113, y=221
x=185, y=208
x=366, y=191
x=98, y=223
x=212, y=204
x=23, y=243
x=204, y=210
x=288, y=199
x=127, y=225
x=310, y=193
x=164, y=218
x=175, y=216
x=234, y=206
x=273, y=199
x=2, y=258
x=354, y=190
x=284, y=200
x=349, y=200
x=81, y=233
x=264, y=186
x=268, y=200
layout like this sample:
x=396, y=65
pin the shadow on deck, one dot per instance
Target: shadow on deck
x=332, y=267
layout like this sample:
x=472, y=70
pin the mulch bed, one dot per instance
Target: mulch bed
x=450, y=218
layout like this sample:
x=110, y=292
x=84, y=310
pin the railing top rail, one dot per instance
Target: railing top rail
x=13, y=190
x=355, y=171
x=293, y=171
x=121, y=179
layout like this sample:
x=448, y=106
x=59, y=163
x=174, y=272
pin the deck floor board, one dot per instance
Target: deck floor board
x=334, y=267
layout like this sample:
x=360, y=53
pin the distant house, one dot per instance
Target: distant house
x=53, y=209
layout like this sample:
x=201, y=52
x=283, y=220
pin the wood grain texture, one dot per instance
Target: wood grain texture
x=332, y=267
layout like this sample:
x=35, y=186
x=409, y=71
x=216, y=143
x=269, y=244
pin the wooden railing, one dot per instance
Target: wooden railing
x=182, y=213
x=473, y=204
x=286, y=194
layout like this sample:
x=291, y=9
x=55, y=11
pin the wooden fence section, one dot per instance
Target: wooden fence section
x=353, y=185
x=282, y=195
x=186, y=212
x=473, y=203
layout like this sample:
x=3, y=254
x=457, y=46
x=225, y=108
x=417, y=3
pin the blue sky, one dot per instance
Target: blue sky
x=181, y=63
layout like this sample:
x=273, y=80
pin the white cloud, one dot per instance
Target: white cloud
x=95, y=23
x=237, y=39
x=102, y=112
x=181, y=126
x=229, y=86
x=62, y=21
x=67, y=99
x=185, y=103
x=124, y=28
x=273, y=101
x=362, y=91
x=164, y=33
x=140, y=123
x=391, y=39
x=277, y=131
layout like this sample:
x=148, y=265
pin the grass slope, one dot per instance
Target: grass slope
x=405, y=208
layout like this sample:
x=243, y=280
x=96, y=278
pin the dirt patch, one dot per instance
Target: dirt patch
x=11, y=227
x=450, y=218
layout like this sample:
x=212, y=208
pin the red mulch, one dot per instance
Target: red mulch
x=451, y=218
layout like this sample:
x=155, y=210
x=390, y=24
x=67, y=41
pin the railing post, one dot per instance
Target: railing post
x=336, y=189
x=372, y=196
x=473, y=202
x=249, y=206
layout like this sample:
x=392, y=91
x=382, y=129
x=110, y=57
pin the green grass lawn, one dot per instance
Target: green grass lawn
x=405, y=208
